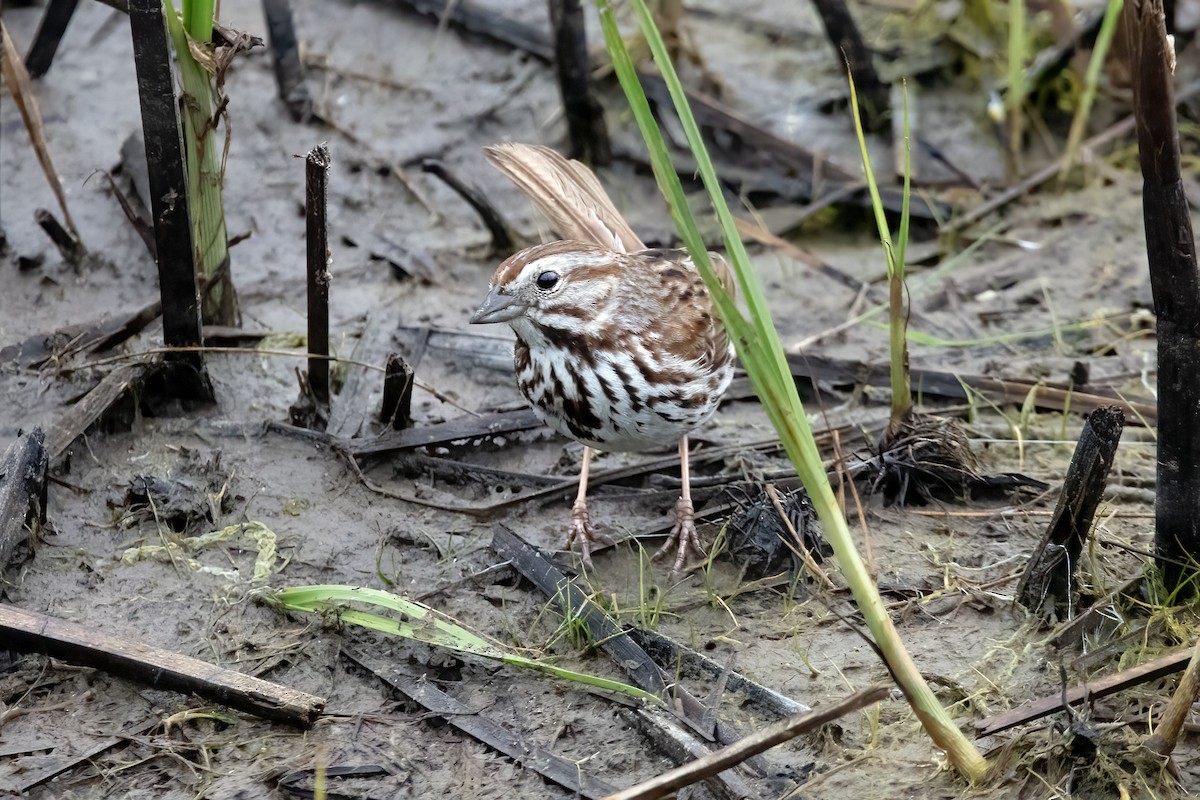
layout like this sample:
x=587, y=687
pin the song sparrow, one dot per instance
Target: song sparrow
x=618, y=347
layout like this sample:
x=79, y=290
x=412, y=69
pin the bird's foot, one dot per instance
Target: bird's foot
x=583, y=532
x=683, y=539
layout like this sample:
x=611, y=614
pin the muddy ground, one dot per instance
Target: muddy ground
x=408, y=257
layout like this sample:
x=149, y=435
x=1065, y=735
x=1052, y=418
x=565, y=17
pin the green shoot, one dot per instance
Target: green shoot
x=191, y=35
x=897, y=313
x=1016, y=79
x=762, y=355
x=412, y=620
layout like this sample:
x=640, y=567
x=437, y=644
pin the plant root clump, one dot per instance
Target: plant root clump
x=922, y=458
x=762, y=543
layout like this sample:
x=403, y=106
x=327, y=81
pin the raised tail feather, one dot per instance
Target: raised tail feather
x=567, y=193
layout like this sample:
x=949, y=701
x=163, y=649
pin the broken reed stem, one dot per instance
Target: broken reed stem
x=49, y=33
x=396, y=410
x=1175, y=285
x=285, y=56
x=69, y=247
x=169, y=205
x=316, y=194
x=855, y=60
x=1048, y=575
x=583, y=112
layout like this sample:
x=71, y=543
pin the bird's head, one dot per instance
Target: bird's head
x=563, y=284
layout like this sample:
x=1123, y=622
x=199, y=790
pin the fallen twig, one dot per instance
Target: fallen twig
x=1051, y=170
x=1166, y=735
x=504, y=241
x=572, y=599
x=668, y=653
x=930, y=382
x=57, y=765
x=17, y=79
x=758, y=742
x=1095, y=689
x=61, y=345
x=28, y=631
x=80, y=416
x=460, y=429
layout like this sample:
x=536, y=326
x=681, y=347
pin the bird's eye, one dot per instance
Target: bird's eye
x=547, y=281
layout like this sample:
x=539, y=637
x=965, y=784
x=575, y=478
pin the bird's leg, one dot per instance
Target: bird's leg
x=683, y=536
x=581, y=520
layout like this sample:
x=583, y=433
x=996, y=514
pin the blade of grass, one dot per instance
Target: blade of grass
x=17, y=79
x=1104, y=38
x=421, y=623
x=1016, y=79
x=762, y=355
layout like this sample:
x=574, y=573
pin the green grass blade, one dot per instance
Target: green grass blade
x=1108, y=28
x=1016, y=76
x=762, y=355
x=421, y=623
x=198, y=19
x=901, y=386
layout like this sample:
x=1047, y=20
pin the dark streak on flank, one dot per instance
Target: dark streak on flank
x=610, y=393
x=658, y=377
x=635, y=403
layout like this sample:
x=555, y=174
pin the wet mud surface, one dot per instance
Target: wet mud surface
x=1062, y=279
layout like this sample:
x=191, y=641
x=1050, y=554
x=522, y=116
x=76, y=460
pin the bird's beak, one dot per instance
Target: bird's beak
x=497, y=307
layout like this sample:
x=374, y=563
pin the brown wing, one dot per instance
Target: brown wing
x=567, y=193
x=686, y=319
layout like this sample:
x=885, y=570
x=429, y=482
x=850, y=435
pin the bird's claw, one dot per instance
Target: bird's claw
x=582, y=531
x=684, y=538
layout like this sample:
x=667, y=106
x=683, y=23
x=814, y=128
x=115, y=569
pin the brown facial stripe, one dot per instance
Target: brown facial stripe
x=599, y=272
x=514, y=264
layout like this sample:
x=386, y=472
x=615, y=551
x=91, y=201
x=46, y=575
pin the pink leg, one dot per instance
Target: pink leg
x=581, y=520
x=683, y=538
